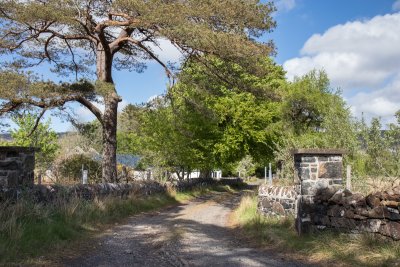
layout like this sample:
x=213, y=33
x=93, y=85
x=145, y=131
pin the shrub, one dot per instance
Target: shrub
x=71, y=168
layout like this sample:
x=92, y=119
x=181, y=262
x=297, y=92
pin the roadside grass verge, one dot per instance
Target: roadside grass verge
x=324, y=248
x=28, y=229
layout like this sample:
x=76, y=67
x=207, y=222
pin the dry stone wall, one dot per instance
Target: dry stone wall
x=346, y=211
x=48, y=193
x=277, y=200
x=321, y=202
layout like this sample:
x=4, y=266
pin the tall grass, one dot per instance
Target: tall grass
x=28, y=229
x=324, y=248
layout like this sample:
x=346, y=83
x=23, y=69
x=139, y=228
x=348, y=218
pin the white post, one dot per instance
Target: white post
x=348, y=177
x=270, y=174
x=265, y=174
x=84, y=177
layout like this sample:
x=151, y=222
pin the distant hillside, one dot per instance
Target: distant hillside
x=7, y=136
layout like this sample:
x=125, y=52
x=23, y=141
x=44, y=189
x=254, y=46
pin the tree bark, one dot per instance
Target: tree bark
x=109, y=164
x=109, y=121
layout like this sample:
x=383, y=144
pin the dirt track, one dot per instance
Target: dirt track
x=192, y=234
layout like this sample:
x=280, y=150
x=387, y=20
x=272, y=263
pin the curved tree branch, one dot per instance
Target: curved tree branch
x=37, y=122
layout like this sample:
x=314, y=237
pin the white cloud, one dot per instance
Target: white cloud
x=285, y=5
x=151, y=98
x=396, y=6
x=382, y=102
x=355, y=54
x=167, y=51
x=358, y=55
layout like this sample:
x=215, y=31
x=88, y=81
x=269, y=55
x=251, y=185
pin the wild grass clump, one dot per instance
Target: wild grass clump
x=29, y=229
x=26, y=228
x=367, y=185
x=325, y=247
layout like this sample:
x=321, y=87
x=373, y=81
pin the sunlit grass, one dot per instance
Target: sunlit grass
x=324, y=247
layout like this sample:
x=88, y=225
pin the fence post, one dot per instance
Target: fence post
x=84, y=177
x=348, y=177
x=270, y=174
x=265, y=174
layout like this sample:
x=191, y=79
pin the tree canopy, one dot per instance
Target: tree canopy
x=91, y=38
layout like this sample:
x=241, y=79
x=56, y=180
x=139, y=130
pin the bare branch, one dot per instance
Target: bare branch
x=73, y=59
x=89, y=105
x=37, y=122
x=149, y=52
x=107, y=23
x=15, y=104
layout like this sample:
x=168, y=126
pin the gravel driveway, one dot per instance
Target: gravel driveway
x=192, y=234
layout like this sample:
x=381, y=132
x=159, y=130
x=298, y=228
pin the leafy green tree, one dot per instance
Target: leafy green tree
x=381, y=148
x=90, y=134
x=246, y=167
x=393, y=140
x=43, y=137
x=314, y=116
x=128, y=139
x=169, y=141
x=240, y=112
x=77, y=37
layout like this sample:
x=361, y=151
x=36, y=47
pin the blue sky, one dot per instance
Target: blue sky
x=356, y=41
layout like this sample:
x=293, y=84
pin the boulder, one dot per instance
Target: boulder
x=391, y=229
x=355, y=200
x=339, y=196
x=373, y=200
x=323, y=195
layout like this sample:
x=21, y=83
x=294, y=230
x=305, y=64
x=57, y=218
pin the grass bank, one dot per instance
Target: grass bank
x=28, y=229
x=325, y=248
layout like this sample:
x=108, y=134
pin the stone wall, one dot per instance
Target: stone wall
x=277, y=200
x=17, y=166
x=48, y=193
x=346, y=211
x=321, y=201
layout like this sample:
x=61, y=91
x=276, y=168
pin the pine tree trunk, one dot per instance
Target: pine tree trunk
x=109, y=164
x=109, y=123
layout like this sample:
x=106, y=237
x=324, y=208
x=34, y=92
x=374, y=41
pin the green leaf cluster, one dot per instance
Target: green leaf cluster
x=43, y=138
x=205, y=122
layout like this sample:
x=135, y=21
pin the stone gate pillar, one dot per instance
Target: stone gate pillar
x=315, y=169
x=17, y=166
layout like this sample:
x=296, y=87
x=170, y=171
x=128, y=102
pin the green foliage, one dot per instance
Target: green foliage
x=314, y=116
x=128, y=138
x=225, y=28
x=71, y=168
x=77, y=37
x=90, y=135
x=246, y=167
x=379, y=151
x=42, y=137
x=205, y=122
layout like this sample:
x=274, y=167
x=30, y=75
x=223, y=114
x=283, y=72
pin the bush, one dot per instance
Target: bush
x=71, y=168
